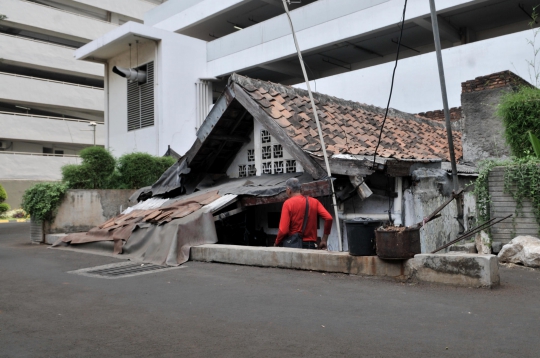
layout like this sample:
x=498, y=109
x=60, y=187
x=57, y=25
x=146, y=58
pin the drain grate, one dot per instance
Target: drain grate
x=122, y=269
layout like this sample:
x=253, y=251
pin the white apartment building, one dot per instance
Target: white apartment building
x=50, y=103
x=192, y=46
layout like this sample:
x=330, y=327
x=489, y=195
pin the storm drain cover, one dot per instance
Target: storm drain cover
x=122, y=269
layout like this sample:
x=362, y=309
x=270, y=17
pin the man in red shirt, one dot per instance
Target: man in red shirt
x=292, y=217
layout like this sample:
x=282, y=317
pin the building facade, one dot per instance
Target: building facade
x=348, y=46
x=51, y=105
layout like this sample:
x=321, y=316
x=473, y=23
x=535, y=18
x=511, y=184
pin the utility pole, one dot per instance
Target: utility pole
x=442, y=80
x=314, y=108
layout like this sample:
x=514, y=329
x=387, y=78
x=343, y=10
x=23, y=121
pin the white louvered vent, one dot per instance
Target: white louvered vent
x=141, y=100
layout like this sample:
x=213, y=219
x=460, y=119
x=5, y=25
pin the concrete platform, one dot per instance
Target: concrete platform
x=312, y=260
x=460, y=269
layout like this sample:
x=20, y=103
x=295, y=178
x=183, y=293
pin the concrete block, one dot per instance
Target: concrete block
x=469, y=247
x=52, y=238
x=461, y=269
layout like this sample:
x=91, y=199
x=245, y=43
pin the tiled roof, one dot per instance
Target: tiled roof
x=493, y=81
x=349, y=127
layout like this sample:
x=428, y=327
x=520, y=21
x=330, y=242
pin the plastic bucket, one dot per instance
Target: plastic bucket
x=361, y=237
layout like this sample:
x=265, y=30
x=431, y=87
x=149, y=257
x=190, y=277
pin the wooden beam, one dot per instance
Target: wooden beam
x=314, y=189
x=279, y=133
x=347, y=167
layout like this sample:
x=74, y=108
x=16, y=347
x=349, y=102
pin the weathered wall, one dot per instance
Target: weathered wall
x=432, y=188
x=15, y=190
x=502, y=205
x=483, y=130
x=84, y=209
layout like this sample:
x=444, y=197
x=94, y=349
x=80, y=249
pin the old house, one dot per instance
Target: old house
x=257, y=136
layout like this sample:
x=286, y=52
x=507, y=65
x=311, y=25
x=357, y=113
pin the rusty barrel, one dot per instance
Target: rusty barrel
x=397, y=244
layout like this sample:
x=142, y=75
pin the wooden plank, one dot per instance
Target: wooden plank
x=314, y=189
x=279, y=133
x=346, y=167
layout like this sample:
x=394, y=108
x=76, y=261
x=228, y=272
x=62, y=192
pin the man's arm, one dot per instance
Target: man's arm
x=284, y=224
x=327, y=224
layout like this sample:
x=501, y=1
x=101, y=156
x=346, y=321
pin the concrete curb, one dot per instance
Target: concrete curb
x=5, y=221
x=311, y=260
x=457, y=269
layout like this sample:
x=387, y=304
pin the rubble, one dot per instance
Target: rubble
x=483, y=243
x=523, y=250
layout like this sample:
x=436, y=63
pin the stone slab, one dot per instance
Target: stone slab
x=312, y=260
x=461, y=269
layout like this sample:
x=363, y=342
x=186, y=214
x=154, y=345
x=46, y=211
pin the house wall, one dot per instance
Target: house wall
x=430, y=189
x=483, y=129
x=260, y=164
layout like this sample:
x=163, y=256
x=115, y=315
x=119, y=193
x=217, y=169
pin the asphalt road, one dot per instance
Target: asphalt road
x=205, y=310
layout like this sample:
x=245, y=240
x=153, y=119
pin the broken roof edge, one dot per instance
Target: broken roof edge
x=324, y=99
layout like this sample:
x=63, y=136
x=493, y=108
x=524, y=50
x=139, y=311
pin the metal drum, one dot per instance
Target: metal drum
x=399, y=243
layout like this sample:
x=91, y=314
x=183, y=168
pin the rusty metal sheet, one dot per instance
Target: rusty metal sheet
x=401, y=243
x=313, y=189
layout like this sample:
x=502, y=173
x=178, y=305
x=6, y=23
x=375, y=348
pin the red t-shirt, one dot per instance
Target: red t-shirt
x=292, y=218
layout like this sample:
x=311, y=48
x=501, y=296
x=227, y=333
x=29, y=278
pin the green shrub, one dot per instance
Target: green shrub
x=75, y=176
x=520, y=112
x=4, y=207
x=3, y=194
x=93, y=173
x=41, y=200
x=137, y=170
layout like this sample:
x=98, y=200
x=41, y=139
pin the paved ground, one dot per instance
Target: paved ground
x=205, y=310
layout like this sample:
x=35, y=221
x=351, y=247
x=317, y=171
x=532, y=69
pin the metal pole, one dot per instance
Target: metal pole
x=95, y=136
x=436, y=36
x=314, y=108
x=455, y=181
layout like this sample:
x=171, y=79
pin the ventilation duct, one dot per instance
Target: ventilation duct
x=132, y=74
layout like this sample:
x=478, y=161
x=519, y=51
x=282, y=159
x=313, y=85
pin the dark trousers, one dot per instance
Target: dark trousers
x=309, y=245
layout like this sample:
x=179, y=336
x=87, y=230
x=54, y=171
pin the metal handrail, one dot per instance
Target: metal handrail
x=49, y=117
x=38, y=41
x=47, y=80
x=41, y=154
x=68, y=12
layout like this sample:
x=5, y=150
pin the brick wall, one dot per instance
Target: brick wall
x=438, y=115
x=495, y=80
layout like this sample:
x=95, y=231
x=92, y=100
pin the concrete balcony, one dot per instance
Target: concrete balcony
x=33, y=166
x=132, y=8
x=50, y=94
x=22, y=127
x=40, y=55
x=317, y=25
x=47, y=20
